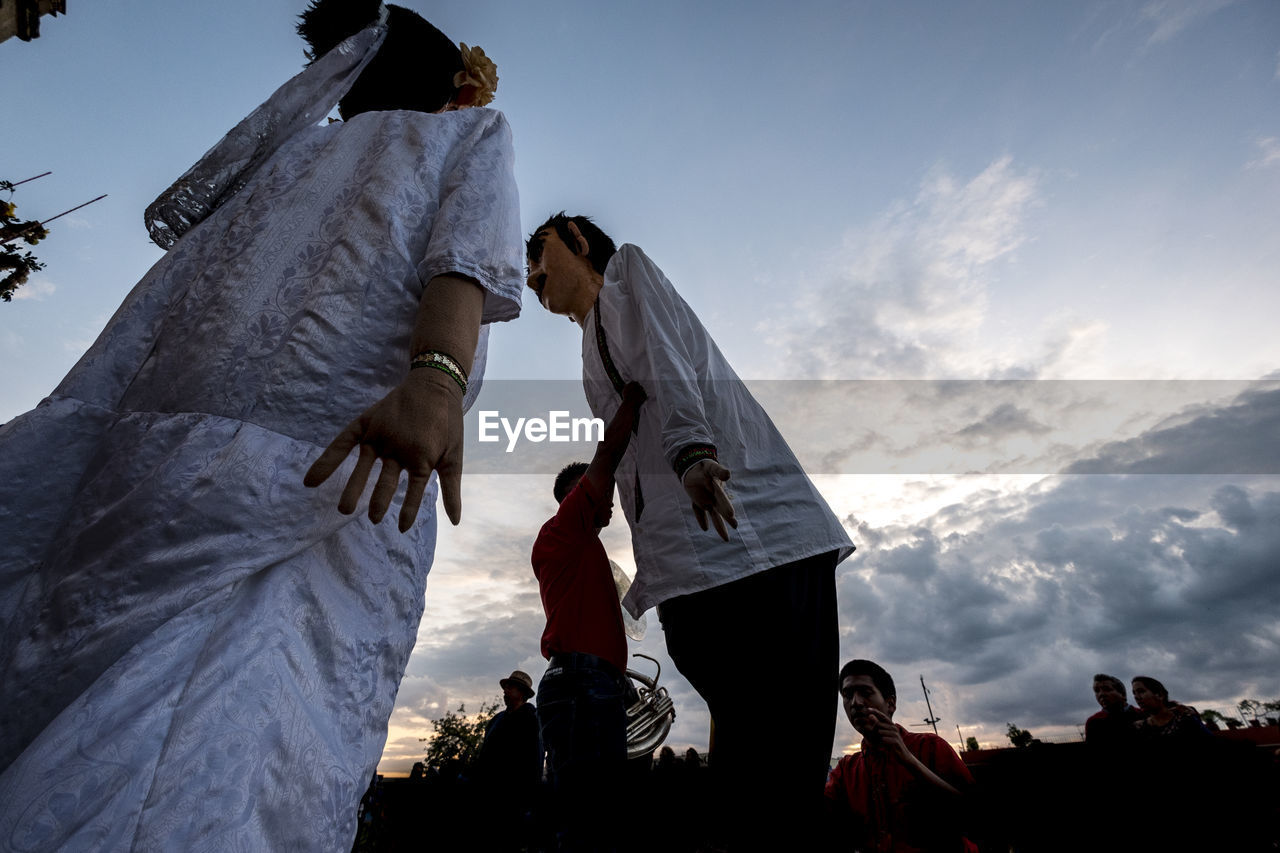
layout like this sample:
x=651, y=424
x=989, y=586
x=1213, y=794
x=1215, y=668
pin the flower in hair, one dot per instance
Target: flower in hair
x=479, y=74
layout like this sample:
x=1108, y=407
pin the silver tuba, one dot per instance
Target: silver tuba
x=649, y=716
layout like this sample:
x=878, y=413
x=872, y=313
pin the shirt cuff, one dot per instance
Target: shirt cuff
x=691, y=455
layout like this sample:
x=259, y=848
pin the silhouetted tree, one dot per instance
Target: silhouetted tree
x=16, y=264
x=1019, y=737
x=971, y=743
x=1214, y=720
x=457, y=736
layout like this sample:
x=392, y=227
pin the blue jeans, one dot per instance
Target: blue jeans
x=583, y=719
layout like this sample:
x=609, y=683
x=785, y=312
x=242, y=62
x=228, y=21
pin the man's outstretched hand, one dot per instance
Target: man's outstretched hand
x=416, y=428
x=704, y=485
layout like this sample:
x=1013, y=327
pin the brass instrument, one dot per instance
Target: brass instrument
x=649, y=716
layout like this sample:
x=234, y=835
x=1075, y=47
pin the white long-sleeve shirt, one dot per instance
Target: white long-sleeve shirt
x=694, y=397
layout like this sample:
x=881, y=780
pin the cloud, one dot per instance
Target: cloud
x=1269, y=149
x=37, y=288
x=1009, y=600
x=1170, y=17
x=1242, y=437
x=1022, y=426
x=11, y=341
x=1185, y=590
x=1004, y=420
x=1005, y=592
x=905, y=291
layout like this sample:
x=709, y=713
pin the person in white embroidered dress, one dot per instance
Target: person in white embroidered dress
x=774, y=571
x=199, y=651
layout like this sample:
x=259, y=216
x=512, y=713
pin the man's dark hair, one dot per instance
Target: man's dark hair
x=413, y=69
x=878, y=675
x=1154, y=686
x=600, y=246
x=1115, y=682
x=565, y=480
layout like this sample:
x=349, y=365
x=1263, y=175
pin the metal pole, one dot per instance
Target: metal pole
x=20, y=183
x=931, y=719
x=33, y=225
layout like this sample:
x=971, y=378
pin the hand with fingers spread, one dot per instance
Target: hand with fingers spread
x=415, y=429
x=703, y=482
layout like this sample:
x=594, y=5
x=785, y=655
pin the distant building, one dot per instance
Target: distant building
x=21, y=18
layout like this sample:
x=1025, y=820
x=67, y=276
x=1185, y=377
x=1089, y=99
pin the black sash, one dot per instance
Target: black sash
x=615, y=377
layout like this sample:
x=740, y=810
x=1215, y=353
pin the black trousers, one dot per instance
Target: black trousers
x=763, y=651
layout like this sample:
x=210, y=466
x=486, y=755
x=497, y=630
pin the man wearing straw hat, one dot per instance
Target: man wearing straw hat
x=509, y=766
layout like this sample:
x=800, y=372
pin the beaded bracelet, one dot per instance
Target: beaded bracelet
x=692, y=455
x=443, y=362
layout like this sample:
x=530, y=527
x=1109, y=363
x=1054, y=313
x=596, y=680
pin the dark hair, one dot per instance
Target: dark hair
x=1119, y=685
x=600, y=246
x=413, y=70
x=1154, y=686
x=567, y=479
x=878, y=675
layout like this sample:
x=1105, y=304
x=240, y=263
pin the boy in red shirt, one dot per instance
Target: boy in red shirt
x=581, y=707
x=904, y=791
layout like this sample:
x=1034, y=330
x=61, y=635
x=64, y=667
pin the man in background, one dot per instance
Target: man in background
x=1114, y=724
x=509, y=767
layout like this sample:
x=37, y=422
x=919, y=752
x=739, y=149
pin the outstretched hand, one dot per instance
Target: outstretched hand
x=416, y=428
x=704, y=485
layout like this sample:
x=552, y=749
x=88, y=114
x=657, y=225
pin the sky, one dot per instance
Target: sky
x=1003, y=273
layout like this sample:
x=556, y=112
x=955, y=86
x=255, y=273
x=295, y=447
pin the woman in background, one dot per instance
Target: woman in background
x=1164, y=718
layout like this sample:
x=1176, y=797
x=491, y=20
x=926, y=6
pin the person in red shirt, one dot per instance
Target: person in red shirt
x=582, y=708
x=902, y=793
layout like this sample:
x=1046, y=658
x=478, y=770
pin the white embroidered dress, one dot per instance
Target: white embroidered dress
x=197, y=651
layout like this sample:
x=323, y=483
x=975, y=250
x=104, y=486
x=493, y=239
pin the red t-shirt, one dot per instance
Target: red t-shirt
x=578, y=593
x=895, y=811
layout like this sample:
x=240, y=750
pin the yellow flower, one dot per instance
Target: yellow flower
x=480, y=74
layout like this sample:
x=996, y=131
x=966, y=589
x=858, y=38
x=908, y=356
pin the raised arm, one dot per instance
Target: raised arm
x=616, y=437
x=417, y=427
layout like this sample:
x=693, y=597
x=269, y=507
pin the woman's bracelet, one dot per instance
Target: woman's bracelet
x=443, y=362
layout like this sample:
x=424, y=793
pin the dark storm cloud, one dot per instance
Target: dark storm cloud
x=1001, y=422
x=1174, y=577
x=1241, y=438
x=1007, y=600
x=1010, y=426
x=490, y=643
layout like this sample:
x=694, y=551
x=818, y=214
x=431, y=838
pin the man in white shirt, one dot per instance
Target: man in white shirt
x=774, y=573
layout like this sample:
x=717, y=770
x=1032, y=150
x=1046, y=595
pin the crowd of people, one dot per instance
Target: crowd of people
x=202, y=643
x=900, y=790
